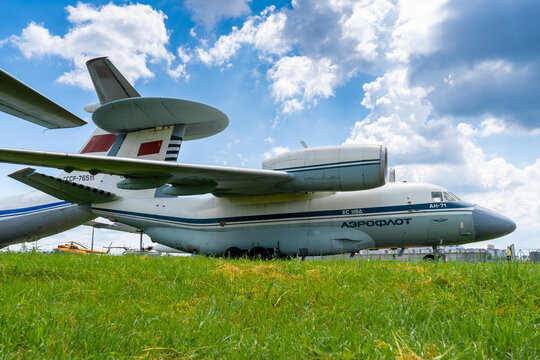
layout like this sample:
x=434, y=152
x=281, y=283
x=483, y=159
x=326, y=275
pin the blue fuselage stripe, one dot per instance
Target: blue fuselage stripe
x=32, y=209
x=341, y=213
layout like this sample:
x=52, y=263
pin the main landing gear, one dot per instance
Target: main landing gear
x=257, y=252
x=233, y=253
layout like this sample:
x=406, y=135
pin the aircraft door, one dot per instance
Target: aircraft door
x=466, y=229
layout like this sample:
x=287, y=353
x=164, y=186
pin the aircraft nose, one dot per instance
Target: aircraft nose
x=489, y=225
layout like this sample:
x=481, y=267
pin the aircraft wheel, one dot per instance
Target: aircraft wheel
x=233, y=253
x=259, y=252
x=429, y=257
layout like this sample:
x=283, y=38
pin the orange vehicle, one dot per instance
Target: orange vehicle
x=76, y=248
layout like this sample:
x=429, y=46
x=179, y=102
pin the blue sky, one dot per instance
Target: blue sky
x=451, y=87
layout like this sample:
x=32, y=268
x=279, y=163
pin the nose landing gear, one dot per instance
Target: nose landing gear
x=436, y=256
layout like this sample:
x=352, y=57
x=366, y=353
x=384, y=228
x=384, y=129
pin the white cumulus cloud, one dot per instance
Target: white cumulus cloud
x=329, y=42
x=413, y=30
x=492, y=126
x=399, y=119
x=299, y=80
x=131, y=35
x=209, y=12
x=263, y=32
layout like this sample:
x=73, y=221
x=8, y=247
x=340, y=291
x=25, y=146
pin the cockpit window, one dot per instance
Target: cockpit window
x=448, y=196
x=436, y=196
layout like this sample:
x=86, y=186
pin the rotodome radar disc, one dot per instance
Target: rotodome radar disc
x=133, y=114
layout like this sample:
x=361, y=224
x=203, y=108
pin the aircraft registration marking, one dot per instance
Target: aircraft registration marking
x=86, y=177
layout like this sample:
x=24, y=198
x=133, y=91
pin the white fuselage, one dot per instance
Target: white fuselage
x=35, y=215
x=394, y=215
x=391, y=216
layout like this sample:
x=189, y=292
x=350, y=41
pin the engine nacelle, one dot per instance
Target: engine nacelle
x=333, y=168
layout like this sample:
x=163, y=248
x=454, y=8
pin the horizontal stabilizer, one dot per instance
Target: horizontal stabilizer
x=18, y=99
x=109, y=83
x=62, y=189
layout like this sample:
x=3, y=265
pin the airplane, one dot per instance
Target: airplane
x=307, y=202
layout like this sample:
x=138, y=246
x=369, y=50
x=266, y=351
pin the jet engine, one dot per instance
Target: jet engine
x=333, y=168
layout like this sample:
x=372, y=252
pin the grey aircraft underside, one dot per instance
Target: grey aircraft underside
x=312, y=201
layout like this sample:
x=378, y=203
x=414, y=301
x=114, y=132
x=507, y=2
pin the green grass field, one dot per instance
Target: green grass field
x=69, y=306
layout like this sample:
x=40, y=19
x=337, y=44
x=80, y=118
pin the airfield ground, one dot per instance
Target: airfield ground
x=70, y=306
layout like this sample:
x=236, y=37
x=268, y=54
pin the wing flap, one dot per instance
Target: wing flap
x=20, y=100
x=62, y=189
x=229, y=180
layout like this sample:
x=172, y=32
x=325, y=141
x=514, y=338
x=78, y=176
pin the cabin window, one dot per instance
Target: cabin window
x=436, y=196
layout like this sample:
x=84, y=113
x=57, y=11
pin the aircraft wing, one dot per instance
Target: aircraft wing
x=186, y=178
x=20, y=100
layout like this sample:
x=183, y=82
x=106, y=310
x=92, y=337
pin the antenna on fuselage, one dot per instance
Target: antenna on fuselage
x=391, y=175
x=304, y=144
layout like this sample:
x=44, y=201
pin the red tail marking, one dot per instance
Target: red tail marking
x=99, y=143
x=149, y=148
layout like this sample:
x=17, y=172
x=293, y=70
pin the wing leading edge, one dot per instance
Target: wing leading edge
x=189, y=178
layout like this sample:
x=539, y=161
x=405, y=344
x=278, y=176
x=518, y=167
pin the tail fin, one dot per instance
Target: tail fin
x=161, y=143
x=109, y=83
x=100, y=143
